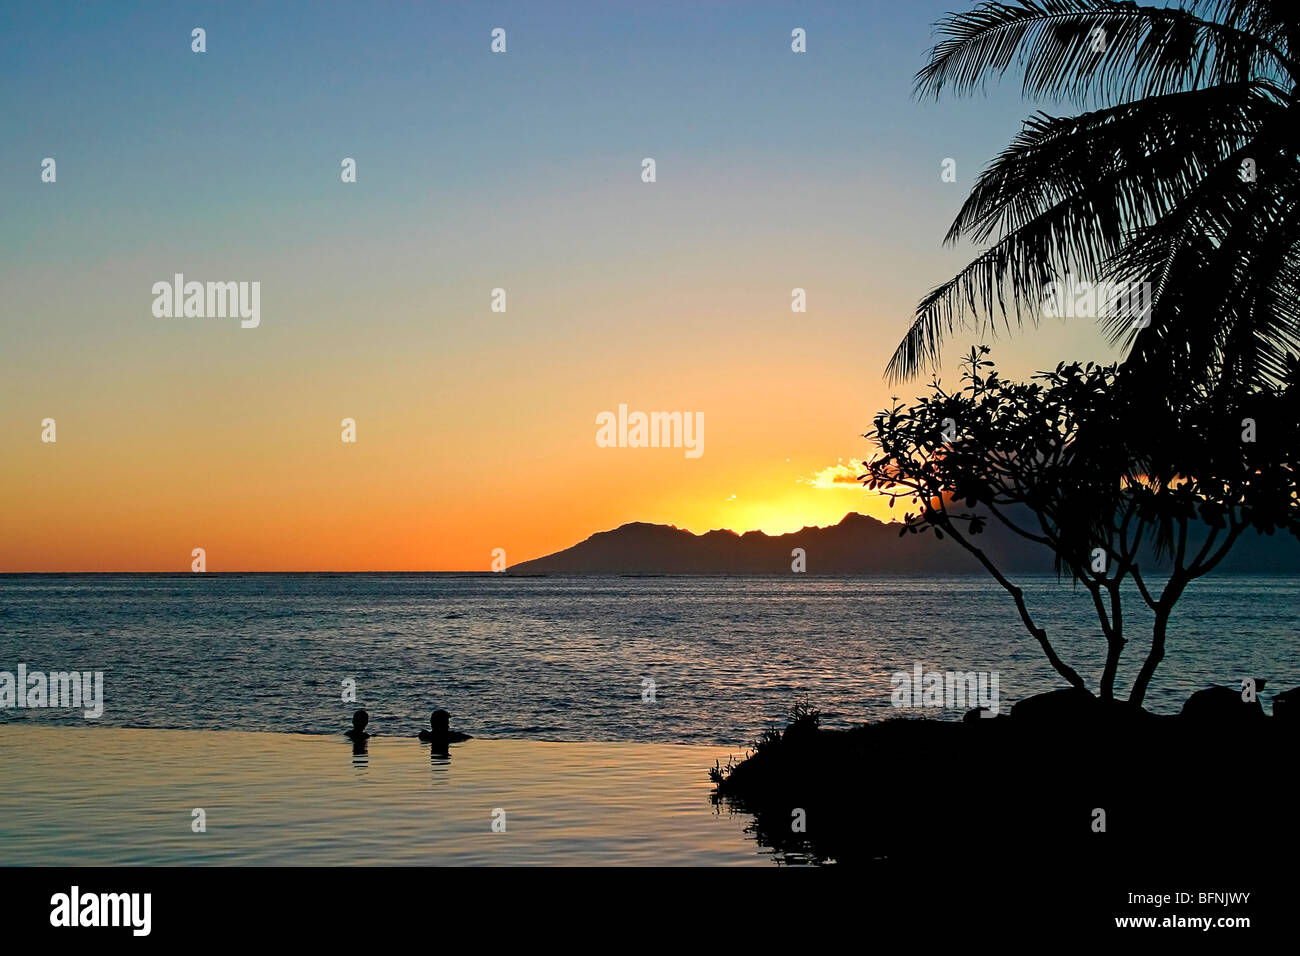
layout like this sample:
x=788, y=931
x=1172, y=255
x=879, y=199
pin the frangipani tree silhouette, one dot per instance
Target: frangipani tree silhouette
x=1184, y=173
x=1130, y=508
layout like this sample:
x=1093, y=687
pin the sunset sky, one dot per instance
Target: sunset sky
x=476, y=429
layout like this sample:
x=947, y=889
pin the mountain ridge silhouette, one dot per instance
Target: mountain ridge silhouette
x=857, y=544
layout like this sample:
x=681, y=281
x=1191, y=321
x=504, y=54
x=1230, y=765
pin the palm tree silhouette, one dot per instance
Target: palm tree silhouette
x=1184, y=174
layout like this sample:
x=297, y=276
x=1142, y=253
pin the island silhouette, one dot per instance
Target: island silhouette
x=858, y=544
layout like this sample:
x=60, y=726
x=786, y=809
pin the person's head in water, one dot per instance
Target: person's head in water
x=359, y=721
x=440, y=733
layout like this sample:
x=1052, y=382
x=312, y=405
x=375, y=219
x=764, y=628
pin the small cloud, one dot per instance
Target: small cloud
x=840, y=475
x=732, y=498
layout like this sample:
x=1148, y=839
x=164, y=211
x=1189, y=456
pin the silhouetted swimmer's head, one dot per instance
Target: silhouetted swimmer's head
x=359, y=720
x=440, y=720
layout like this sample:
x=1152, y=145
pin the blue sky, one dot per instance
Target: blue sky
x=775, y=170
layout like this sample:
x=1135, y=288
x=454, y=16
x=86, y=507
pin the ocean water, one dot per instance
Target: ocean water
x=568, y=659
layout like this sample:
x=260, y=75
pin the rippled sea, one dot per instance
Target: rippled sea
x=570, y=659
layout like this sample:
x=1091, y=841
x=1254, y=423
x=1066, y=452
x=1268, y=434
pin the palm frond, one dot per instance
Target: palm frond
x=1141, y=51
x=1144, y=189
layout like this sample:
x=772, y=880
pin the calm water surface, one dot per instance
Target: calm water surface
x=107, y=797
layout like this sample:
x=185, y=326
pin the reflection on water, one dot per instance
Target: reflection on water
x=439, y=763
x=107, y=796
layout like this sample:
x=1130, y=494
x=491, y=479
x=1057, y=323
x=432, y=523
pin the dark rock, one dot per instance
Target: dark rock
x=981, y=715
x=1222, y=706
x=1065, y=706
x=1286, y=706
x=1070, y=707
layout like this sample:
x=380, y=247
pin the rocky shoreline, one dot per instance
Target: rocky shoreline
x=1066, y=776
